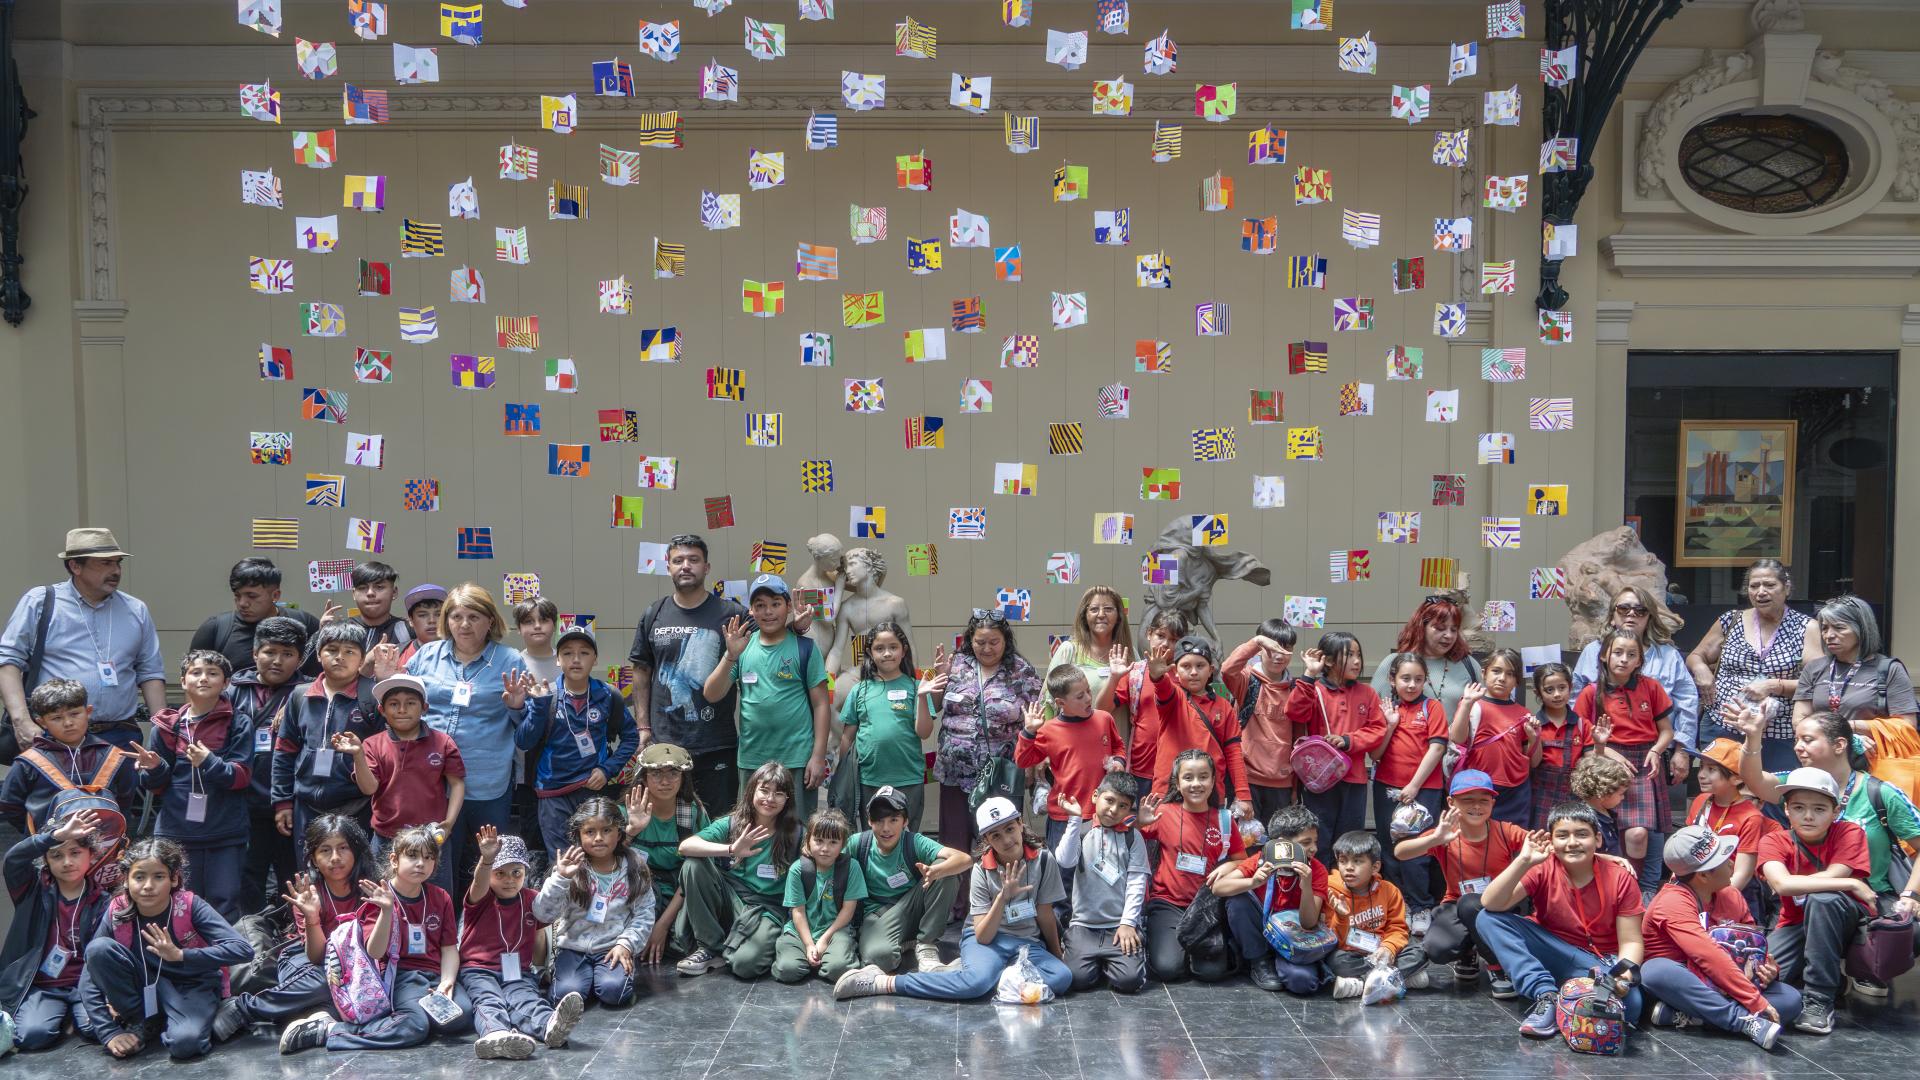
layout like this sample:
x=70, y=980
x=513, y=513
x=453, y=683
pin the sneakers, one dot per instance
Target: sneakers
x=1420, y=922
x=1539, y=1021
x=1466, y=969
x=229, y=1020
x=926, y=955
x=306, y=1033
x=1264, y=976
x=1816, y=1015
x=505, y=1045
x=1761, y=1030
x=1868, y=987
x=1500, y=986
x=566, y=1013
x=860, y=982
x=698, y=962
x=1419, y=980
x=1346, y=987
x=1665, y=1015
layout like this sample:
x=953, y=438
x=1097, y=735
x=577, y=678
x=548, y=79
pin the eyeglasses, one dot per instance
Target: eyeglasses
x=1436, y=598
x=1629, y=609
x=982, y=614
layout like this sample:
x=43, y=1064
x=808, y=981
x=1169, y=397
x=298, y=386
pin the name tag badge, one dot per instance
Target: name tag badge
x=1019, y=911
x=108, y=677
x=1472, y=886
x=1363, y=940
x=323, y=761
x=1190, y=863
x=509, y=967
x=55, y=963
x=196, y=806
x=898, y=695
x=597, y=911
x=262, y=740
x=150, y=999
x=766, y=870
x=416, y=939
x=898, y=879
x=463, y=694
x=750, y=678
x=583, y=742
x=1108, y=870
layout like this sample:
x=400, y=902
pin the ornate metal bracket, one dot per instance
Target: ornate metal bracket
x=1611, y=35
x=14, y=115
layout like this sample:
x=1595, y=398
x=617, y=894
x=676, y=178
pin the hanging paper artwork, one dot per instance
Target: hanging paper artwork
x=1506, y=193
x=925, y=433
x=1266, y=407
x=1453, y=234
x=1069, y=310
x=561, y=377
x=659, y=473
x=719, y=82
x=360, y=106
x=1496, y=448
x=763, y=430
x=1359, y=228
x=1216, y=193
x=1500, y=532
x=1259, y=236
x=1547, y=500
x=1312, y=15
x=867, y=224
x=260, y=101
x=559, y=114
x=1112, y=16
x=472, y=372
x=1304, y=357
x=1158, y=568
x=419, y=325
x=1351, y=313
x=1152, y=356
x=1411, y=103
x=366, y=535
x=863, y=92
x=372, y=366
x=261, y=189
x=321, y=319
x=823, y=131
x=1497, y=277
x=923, y=256
x=1015, y=478
x=271, y=276
x=464, y=23
x=519, y=162
x=520, y=419
x=1113, y=97
x=974, y=93
x=369, y=18
x=925, y=345
x=765, y=40
x=915, y=40
x=861, y=310
x=1213, y=444
x=616, y=296
x=1409, y=275
x=1063, y=568
x=612, y=78
x=566, y=202
x=969, y=230
x=1159, y=485
x=1113, y=528
x=518, y=333
x=817, y=262
x=1550, y=414
x=1463, y=61
x=261, y=15
x=1111, y=227
x=1113, y=402
x=1014, y=605
x=1556, y=327
x=1153, y=270
x=510, y=245
x=1559, y=241
x=1398, y=527
x=1443, y=406
x=1359, y=55
x=1503, y=365
x=1066, y=439
x=1306, y=271
x=1439, y=573
x=1349, y=565
x=1006, y=263
x=1501, y=108
x=326, y=489
x=1305, y=611
x=1267, y=146
x=766, y=169
x=316, y=60
x=316, y=234
x=1450, y=147
x=1449, y=489
x=1356, y=399
x=1162, y=55
x=1212, y=318
x=969, y=317
x=726, y=384
x=866, y=395
x=1023, y=133
x=1546, y=583
x=1304, y=444
x=976, y=395
x=816, y=10
x=1559, y=66
x=816, y=477
x=1166, y=141
x=314, y=149
x=1559, y=155
x=1269, y=492
x=1020, y=351
x=1068, y=49
x=662, y=345
x=366, y=451
x=1216, y=103
x=1312, y=186
x=719, y=211
x=1507, y=19
x=816, y=349
x=1405, y=363
x=867, y=522
x=660, y=41
x=913, y=172
x=270, y=447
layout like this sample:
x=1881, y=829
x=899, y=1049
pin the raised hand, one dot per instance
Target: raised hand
x=347, y=743
x=76, y=826
x=941, y=661
x=638, y=814
x=145, y=758
x=1315, y=663
x=304, y=897
x=1539, y=848
x=1119, y=658
x=487, y=838
x=1149, y=811
x=161, y=944
x=1011, y=886
x=936, y=682
x=1449, y=828
x=571, y=861
x=1603, y=731
x=1474, y=692
x=1159, y=660
x=515, y=685
x=749, y=842
x=332, y=612
x=736, y=632
x=1068, y=805
x=1036, y=718
x=377, y=894
x=384, y=659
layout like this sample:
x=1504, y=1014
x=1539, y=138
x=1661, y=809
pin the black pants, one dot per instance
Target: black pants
x=1167, y=960
x=1415, y=877
x=1091, y=955
x=1341, y=809
x=714, y=781
x=1451, y=934
x=1268, y=801
x=266, y=850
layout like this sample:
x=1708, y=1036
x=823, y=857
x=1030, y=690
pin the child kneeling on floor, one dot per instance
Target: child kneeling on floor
x=1103, y=938
x=1369, y=915
x=55, y=908
x=1015, y=884
x=496, y=963
x=1259, y=886
x=1690, y=976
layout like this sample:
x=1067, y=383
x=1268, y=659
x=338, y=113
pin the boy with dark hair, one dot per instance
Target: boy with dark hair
x=257, y=694
x=1369, y=915
x=783, y=690
x=311, y=774
x=1471, y=849
x=535, y=620
x=1299, y=885
x=255, y=583
x=205, y=768
x=1585, y=908
x=1103, y=938
x=578, y=735
x=911, y=883
x=56, y=908
x=65, y=756
x=375, y=585
x=1128, y=690
x=1257, y=677
x=422, y=605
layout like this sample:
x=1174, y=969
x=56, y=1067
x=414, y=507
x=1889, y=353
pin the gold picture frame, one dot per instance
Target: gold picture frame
x=1734, y=503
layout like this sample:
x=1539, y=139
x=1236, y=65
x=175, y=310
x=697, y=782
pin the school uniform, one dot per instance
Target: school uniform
x=658, y=846
x=1414, y=727
x=1266, y=735
x=27, y=795
x=258, y=704
x=1247, y=917
x=1562, y=746
x=1132, y=695
x=309, y=776
x=1570, y=931
x=496, y=965
x=736, y=907
x=568, y=736
x=776, y=708
x=204, y=807
x=1112, y=894
x=125, y=988
x=822, y=905
x=1368, y=921
x=585, y=932
x=1636, y=709
x=1691, y=973
x=1204, y=721
x=41, y=962
x=1191, y=845
x=299, y=985
x=1469, y=866
x=1076, y=749
x=1748, y=825
x=899, y=910
x=982, y=962
x=1319, y=707
x=410, y=788
x=1811, y=939
x=886, y=743
x=424, y=926
x=1497, y=746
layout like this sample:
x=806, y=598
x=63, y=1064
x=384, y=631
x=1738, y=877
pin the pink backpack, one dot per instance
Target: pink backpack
x=1316, y=761
x=362, y=989
x=179, y=927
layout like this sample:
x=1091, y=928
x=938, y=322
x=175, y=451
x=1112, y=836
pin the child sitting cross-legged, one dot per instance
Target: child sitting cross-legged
x=1693, y=979
x=1471, y=848
x=1586, y=912
x=1259, y=885
x=911, y=885
x=1369, y=915
x=1103, y=938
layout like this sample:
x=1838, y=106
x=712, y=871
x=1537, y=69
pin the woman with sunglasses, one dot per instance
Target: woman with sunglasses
x=982, y=710
x=1433, y=632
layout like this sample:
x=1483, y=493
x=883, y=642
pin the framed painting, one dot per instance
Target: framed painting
x=1735, y=493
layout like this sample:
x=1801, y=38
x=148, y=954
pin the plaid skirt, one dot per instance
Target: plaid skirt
x=1645, y=806
x=1552, y=785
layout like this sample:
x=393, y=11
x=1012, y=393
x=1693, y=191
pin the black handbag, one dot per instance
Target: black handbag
x=29, y=677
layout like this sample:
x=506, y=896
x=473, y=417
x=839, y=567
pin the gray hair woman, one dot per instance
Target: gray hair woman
x=1853, y=679
x=1752, y=658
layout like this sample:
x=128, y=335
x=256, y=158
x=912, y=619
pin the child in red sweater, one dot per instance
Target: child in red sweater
x=1193, y=716
x=1493, y=725
x=1256, y=675
x=1334, y=702
x=1078, y=744
x=1692, y=978
x=1127, y=691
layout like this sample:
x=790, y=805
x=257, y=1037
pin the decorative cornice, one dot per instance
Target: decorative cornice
x=1910, y=325
x=431, y=108
x=1612, y=322
x=1724, y=255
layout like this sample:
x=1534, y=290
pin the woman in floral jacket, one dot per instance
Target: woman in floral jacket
x=989, y=686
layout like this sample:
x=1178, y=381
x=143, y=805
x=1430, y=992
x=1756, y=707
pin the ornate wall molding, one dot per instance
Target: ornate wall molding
x=433, y=109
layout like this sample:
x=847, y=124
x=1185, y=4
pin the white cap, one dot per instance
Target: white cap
x=399, y=682
x=1809, y=779
x=994, y=813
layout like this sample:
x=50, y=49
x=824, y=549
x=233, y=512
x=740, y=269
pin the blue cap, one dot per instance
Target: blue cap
x=773, y=583
x=1468, y=780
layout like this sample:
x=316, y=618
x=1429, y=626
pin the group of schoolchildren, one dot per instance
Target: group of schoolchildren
x=1540, y=842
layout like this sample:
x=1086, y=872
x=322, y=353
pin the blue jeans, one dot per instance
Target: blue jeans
x=503, y=1006
x=474, y=813
x=1536, y=960
x=592, y=977
x=1246, y=921
x=1686, y=992
x=980, y=968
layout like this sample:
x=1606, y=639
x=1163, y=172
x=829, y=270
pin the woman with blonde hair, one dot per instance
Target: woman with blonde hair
x=475, y=688
x=1099, y=629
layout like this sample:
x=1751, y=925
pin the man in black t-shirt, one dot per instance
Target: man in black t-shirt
x=676, y=646
x=255, y=583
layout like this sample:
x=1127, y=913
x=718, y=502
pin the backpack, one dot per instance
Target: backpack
x=1295, y=945
x=810, y=877
x=70, y=798
x=1899, y=863
x=362, y=989
x=1590, y=1015
x=1744, y=943
x=179, y=925
x=863, y=849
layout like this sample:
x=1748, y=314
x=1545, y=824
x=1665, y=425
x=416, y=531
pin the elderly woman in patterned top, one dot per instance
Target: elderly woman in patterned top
x=1753, y=657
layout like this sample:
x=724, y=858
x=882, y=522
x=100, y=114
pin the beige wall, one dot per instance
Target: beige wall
x=165, y=415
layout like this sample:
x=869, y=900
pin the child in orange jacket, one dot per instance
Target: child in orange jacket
x=1369, y=915
x=1256, y=675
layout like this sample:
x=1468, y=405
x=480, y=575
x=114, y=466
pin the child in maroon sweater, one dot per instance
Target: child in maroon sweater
x=498, y=935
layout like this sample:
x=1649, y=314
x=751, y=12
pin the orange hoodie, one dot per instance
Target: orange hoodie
x=1381, y=911
x=1268, y=736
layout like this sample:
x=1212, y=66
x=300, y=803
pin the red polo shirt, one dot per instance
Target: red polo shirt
x=412, y=778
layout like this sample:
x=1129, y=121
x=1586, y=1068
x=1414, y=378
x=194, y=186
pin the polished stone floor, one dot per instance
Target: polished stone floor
x=715, y=1026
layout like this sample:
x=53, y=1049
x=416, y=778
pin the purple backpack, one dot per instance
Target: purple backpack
x=362, y=989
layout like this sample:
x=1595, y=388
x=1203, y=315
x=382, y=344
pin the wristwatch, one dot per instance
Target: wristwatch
x=1909, y=894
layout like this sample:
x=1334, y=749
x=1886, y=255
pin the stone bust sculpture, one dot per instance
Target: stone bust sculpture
x=864, y=604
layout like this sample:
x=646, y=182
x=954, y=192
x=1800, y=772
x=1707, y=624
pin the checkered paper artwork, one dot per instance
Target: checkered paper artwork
x=420, y=493
x=1406, y=363
x=1020, y=351
x=1449, y=489
x=1213, y=444
x=1356, y=399
x=1453, y=234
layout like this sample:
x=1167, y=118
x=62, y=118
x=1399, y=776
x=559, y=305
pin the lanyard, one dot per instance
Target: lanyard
x=184, y=733
x=1833, y=696
x=1486, y=853
x=519, y=924
x=333, y=910
x=564, y=709
x=68, y=930
x=102, y=650
x=405, y=916
x=1766, y=643
x=1579, y=906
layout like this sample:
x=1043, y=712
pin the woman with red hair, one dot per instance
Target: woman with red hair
x=1433, y=632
